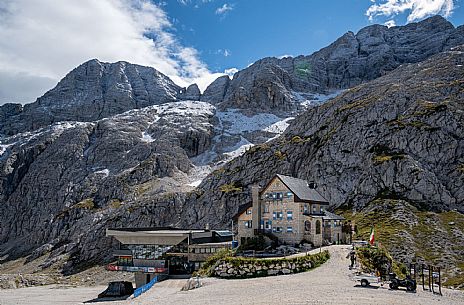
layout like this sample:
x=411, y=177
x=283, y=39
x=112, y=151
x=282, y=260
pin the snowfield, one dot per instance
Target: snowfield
x=234, y=131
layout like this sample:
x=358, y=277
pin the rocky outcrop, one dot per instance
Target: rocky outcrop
x=397, y=137
x=93, y=91
x=277, y=84
x=214, y=93
x=8, y=110
x=400, y=136
x=71, y=176
x=192, y=93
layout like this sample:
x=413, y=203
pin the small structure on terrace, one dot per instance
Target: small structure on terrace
x=164, y=250
x=290, y=211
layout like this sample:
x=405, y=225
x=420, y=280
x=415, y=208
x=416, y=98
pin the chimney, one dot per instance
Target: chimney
x=312, y=185
x=256, y=213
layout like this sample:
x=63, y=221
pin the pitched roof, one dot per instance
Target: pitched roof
x=301, y=189
x=242, y=209
x=332, y=216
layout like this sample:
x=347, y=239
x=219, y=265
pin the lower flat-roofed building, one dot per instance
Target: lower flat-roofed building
x=164, y=251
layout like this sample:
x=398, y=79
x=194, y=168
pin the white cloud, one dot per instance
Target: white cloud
x=231, y=72
x=390, y=23
x=417, y=9
x=224, y=9
x=42, y=40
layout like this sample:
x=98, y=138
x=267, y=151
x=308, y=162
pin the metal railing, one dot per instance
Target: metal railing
x=146, y=287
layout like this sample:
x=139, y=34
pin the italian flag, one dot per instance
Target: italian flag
x=372, y=237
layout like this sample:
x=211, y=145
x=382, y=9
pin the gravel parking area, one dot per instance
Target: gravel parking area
x=328, y=284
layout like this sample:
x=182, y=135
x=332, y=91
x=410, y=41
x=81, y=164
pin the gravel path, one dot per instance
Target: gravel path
x=328, y=284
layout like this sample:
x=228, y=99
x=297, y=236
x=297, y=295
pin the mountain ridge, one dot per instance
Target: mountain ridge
x=142, y=166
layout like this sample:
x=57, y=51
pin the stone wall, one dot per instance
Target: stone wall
x=238, y=267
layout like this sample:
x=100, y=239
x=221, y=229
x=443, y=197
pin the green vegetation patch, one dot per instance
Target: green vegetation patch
x=280, y=155
x=399, y=225
x=207, y=267
x=115, y=203
x=229, y=188
x=460, y=168
x=258, y=267
x=383, y=153
x=303, y=69
x=87, y=204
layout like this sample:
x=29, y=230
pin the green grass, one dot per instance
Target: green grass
x=87, y=204
x=229, y=188
x=280, y=155
x=393, y=233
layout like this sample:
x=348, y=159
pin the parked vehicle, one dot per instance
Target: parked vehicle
x=366, y=279
x=408, y=282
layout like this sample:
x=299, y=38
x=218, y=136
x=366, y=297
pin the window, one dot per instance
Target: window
x=289, y=194
x=279, y=196
x=266, y=208
x=267, y=224
x=305, y=209
x=248, y=211
x=318, y=227
x=289, y=215
x=202, y=250
x=274, y=215
x=307, y=224
x=277, y=229
x=289, y=229
x=280, y=215
x=248, y=224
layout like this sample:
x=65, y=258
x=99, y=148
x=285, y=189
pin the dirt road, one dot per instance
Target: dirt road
x=328, y=284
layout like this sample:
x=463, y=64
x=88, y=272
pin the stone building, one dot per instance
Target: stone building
x=291, y=211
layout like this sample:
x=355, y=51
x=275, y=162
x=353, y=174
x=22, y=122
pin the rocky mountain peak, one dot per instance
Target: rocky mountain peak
x=92, y=91
x=282, y=85
x=191, y=93
x=216, y=91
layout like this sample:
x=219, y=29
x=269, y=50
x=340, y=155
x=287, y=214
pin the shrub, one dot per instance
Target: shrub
x=374, y=259
x=258, y=263
x=207, y=267
x=254, y=243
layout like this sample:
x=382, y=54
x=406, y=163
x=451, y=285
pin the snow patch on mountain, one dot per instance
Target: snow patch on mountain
x=313, y=99
x=233, y=121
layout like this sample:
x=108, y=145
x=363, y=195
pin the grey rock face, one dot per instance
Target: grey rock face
x=214, y=93
x=351, y=60
x=398, y=137
x=192, y=93
x=93, y=91
x=72, y=176
x=9, y=109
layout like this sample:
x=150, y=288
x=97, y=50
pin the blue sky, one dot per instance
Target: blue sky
x=191, y=41
x=253, y=29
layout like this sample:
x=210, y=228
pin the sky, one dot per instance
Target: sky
x=191, y=41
